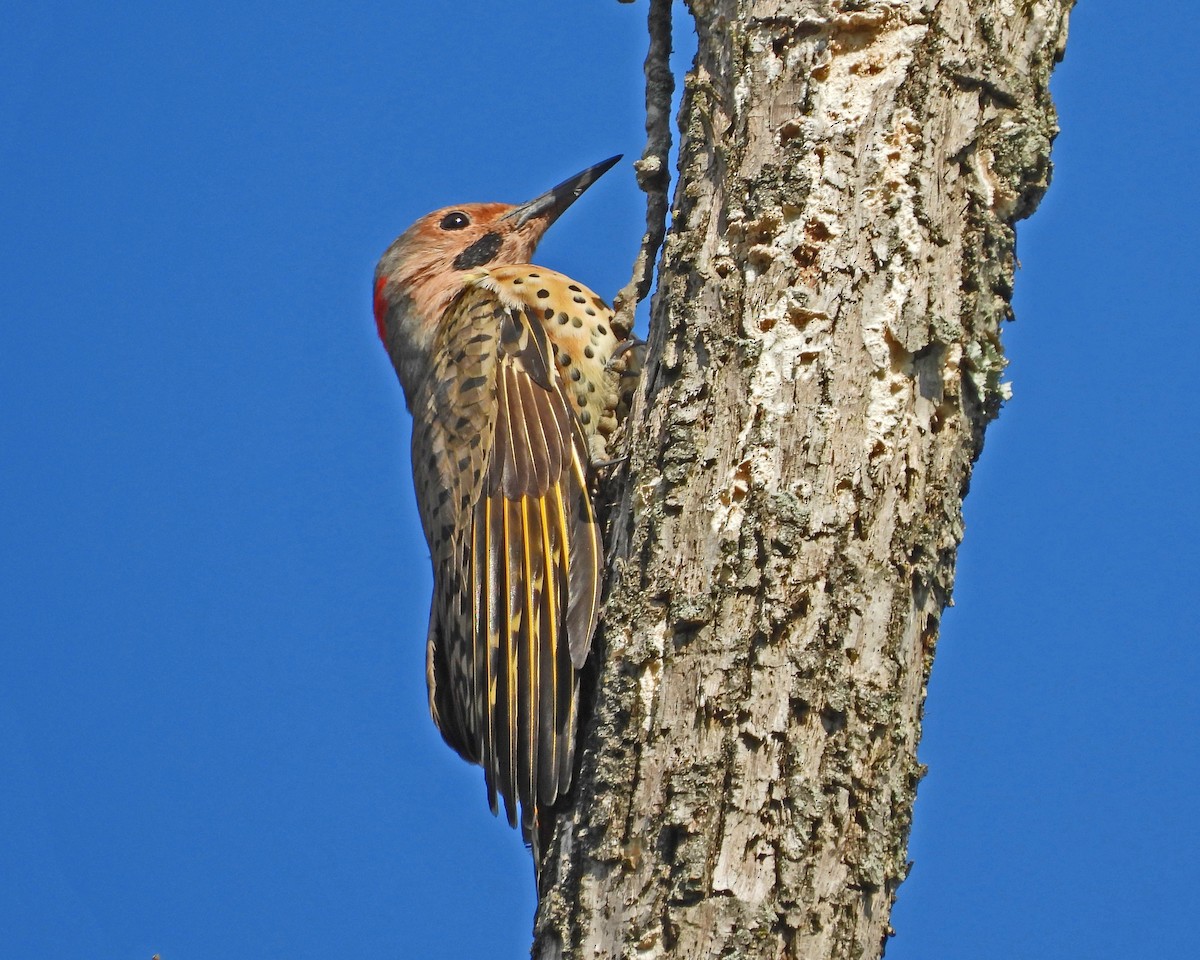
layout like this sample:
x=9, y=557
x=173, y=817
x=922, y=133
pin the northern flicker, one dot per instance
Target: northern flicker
x=512, y=374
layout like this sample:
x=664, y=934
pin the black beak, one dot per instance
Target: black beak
x=553, y=202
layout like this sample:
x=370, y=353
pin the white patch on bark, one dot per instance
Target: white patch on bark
x=648, y=681
x=859, y=78
x=893, y=202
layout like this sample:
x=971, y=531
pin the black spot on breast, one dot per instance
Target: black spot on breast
x=548, y=313
x=563, y=318
x=574, y=288
x=543, y=294
x=482, y=251
x=602, y=329
x=576, y=322
x=589, y=352
x=578, y=299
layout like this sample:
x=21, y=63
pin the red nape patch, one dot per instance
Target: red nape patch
x=380, y=306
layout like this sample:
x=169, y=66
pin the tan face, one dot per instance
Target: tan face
x=428, y=262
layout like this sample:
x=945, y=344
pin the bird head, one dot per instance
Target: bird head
x=428, y=264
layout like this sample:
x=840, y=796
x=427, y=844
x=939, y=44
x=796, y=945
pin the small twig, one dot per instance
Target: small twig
x=652, y=171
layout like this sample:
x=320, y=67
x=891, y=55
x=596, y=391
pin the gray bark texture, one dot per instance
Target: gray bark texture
x=824, y=357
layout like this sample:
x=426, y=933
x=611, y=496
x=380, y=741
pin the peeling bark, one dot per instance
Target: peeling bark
x=824, y=357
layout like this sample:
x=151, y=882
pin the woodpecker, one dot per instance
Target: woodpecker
x=513, y=375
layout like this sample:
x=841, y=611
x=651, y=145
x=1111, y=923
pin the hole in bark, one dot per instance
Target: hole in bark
x=833, y=720
x=762, y=232
x=805, y=255
x=816, y=231
x=920, y=590
x=930, y=633
x=739, y=485
x=750, y=738
x=789, y=131
x=670, y=840
x=761, y=256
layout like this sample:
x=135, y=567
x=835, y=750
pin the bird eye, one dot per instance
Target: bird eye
x=455, y=221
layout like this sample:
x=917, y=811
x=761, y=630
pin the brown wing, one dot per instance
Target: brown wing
x=517, y=587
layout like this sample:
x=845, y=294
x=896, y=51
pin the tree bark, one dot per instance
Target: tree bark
x=824, y=357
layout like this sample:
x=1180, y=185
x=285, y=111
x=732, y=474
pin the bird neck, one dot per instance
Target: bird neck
x=410, y=346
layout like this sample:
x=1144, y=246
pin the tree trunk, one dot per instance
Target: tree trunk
x=824, y=357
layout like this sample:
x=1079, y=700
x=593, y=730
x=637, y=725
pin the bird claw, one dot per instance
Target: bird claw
x=609, y=464
x=629, y=343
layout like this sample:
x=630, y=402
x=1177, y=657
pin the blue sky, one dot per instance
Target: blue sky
x=213, y=587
